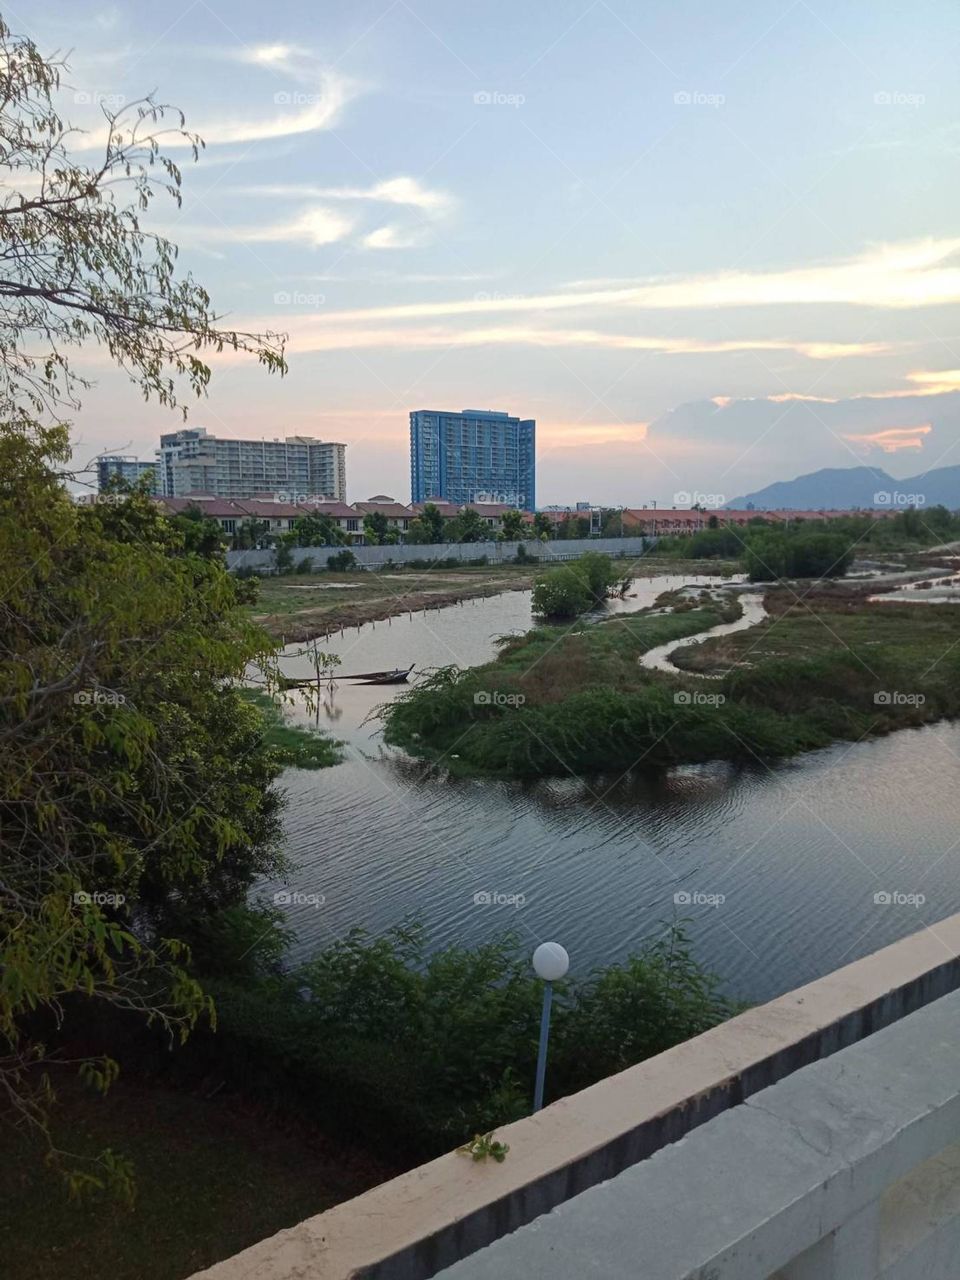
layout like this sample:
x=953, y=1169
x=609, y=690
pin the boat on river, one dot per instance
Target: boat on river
x=397, y=676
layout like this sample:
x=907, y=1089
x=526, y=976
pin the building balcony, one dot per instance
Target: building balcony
x=816, y=1137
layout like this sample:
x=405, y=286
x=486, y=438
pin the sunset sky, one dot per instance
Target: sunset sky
x=705, y=246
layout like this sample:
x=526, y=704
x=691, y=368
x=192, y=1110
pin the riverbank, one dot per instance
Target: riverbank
x=828, y=666
x=308, y=606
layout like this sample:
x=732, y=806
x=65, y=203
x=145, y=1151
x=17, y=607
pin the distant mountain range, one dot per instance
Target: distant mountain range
x=835, y=488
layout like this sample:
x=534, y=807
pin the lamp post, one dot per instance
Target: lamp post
x=551, y=962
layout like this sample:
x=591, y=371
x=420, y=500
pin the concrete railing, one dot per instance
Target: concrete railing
x=432, y=1217
x=847, y=1170
x=496, y=552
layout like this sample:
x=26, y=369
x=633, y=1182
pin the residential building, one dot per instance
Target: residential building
x=275, y=517
x=477, y=455
x=193, y=461
x=397, y=515
x=129, y=469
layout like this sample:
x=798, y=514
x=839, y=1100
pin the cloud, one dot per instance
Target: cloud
x=891, y=439
x=394, y=237
x=402, y=190
x=289, y=110
x=317, y=333
x=915, y=274
x=315, y=227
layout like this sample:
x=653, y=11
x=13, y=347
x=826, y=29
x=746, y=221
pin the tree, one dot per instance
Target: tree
x=542, y=524
x=75, y=263
x=136, y=788
x=431, y=520
x=375, y=528
x=468, y=526
x=512, y=525
x=561, y=593
x=318, y=531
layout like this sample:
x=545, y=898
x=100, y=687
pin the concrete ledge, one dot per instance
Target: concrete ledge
x=844, y=1171
x=415, y=1225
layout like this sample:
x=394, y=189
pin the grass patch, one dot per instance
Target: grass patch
x=556, y=702
x=297, y=746
x=211, y=1180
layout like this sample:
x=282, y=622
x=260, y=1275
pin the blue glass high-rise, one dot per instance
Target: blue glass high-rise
x=477, y=455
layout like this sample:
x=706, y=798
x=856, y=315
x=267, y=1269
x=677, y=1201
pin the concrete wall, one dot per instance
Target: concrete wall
x=375, y=557
x=413, y=1226
x=847, y=1170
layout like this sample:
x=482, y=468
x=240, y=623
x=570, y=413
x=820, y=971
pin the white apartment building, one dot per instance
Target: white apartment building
x=193, y=461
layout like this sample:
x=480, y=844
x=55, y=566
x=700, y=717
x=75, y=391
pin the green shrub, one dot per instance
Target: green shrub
x=342, y=561
x=382, y=1040
x=561, y=593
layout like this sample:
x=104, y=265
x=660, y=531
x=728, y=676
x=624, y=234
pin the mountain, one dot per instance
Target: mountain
x=834, y=488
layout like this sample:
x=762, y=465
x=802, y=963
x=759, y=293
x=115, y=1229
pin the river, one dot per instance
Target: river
x=776, y=867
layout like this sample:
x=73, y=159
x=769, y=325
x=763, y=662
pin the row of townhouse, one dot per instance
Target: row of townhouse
x=281, y=517
x=669, y=520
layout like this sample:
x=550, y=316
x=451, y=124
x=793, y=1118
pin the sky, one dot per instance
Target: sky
x=706, y=246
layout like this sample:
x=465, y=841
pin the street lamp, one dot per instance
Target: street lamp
x=551, y=962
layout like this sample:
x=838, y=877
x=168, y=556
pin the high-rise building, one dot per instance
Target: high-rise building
x=477, y=455
x=194, y=461
x=127, y=468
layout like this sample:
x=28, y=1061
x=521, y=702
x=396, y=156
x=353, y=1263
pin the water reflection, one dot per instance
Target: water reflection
x=797, y=849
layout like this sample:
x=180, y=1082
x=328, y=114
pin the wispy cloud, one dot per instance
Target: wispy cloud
x=315, y=333
x=300, y=95
x=891, y=439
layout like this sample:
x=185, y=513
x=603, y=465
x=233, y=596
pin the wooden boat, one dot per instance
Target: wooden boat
x=397, y=676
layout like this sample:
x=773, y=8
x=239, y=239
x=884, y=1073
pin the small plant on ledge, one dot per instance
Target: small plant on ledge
x=483, y=1145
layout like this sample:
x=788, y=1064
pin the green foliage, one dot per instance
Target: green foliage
x=342, y=562
x=572, y=589
x=774, y=554
x=512, y=525
x=283, y=558
x=483, y=1145
x=292, y=745
x=400, y=1045
x=427, y=527
x=561, y=593
x=135, y=777
x=468, y=526
x=317, y=531
x=376, y=528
